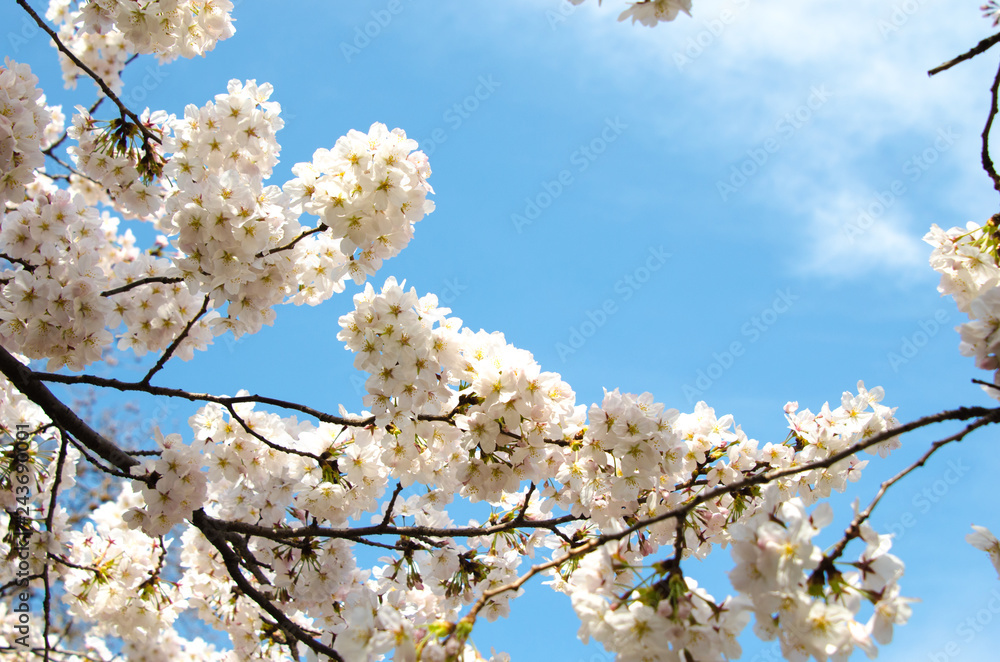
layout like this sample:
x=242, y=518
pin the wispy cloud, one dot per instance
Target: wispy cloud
x=844, y=239
x=742, y=64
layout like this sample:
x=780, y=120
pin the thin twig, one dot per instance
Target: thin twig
x=27, y=382
x=987, y=161
x=125, y=112
x=230, y=559
x=391, y=530
x=176, y=343
x=29, y=267
x=71, y=169
x=981, y=47
x=108, y=470
x=259, y=437
x=90, y=111
x=964, y=413
x=142, y=281
x=392, y=504
x=854, y=529
x=319, y=228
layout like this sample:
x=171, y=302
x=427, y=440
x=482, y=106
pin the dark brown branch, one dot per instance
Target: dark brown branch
x=524, y=506
x=224, y=400
x=319, y=228
x=69, y=564
x=18, y=583
x=28, y=383
x=176, y=343
x=391, y=530
x=964, y=413
x=71, y=169
x=60, y=460
x=218, y=539
x=392, y=504
x=201, y=397
x=259, y=437
x=125, y=112
x=142, y=281
x=854, y=530
x=16, y=260
x=960, y=414
x=981, y=47
x=108, y=470
x=987, y=161
x=249, y=561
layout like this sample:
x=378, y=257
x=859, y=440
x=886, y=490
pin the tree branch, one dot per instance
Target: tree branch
x=259, y=437
x=964, y=413
x=125, y=112
x=28, y=383
x=176, y=343
x=319, y=228
x=981, y=47
x=201, y=397
x=392, y=530
x=214, y=535
x=142, y=281
x=987, y=161
x=854, y=530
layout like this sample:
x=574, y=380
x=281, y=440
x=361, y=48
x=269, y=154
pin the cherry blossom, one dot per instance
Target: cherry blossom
x=350, y=534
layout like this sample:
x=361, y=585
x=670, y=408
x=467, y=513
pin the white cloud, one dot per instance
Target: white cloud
x=850, y=234
x=744, y=73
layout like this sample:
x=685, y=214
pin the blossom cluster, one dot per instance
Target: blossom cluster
x=779, y=567
x=632, y=460
x=968, y=260
x=102, y=33
x=52, y=305
x=23, y=121
x=463, y=413
x=239, y=248
x=505, y=405
x=651, y=12
x=968, y=263
x=176, y=486
x=639, y=624
x=368, y=190
x=114, y=170
x=617, y=496
x=224, y=221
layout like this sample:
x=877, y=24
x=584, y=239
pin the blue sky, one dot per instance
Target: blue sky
x=677, y=210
